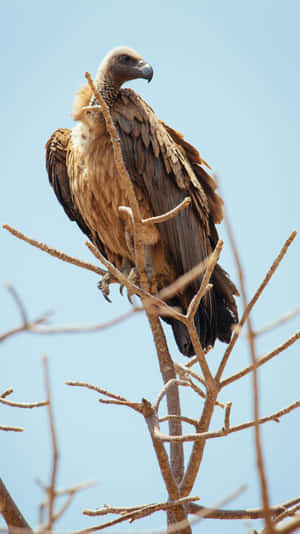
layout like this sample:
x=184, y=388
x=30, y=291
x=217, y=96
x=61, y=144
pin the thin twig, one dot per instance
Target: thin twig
x=165, y=389
x=226, y=429
x=80, y=329
x=137, y=512
x=23, y=404
x=210, y=382
x=19, y=303
x=184, y=369
x=254, y=513
x=6, y=393
x=283, y=319
x=24, y=328
x=227, y=417
x=95, y=388
x=262, y=360
x=54, y=252
x=11, y=428
x=287, y=513
x=51, y=490
x=205, y=286
x=168, y=214
x=253, y=301
x=182, y=418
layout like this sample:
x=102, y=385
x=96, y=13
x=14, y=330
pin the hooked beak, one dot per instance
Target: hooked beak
x=145, y=70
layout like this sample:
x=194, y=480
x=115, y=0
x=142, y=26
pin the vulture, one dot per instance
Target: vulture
x=164, y=170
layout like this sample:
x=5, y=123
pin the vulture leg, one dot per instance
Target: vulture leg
x=150, y=269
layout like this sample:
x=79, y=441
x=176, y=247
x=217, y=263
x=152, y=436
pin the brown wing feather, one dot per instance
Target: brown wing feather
x=156, y=163
x=167, y=169
x=56, y=152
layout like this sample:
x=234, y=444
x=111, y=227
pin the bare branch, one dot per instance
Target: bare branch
x=138, y=225
x=184, y=369
x=179, y=418
x=283, y=319
x=255, y=513
x=54, y=252
x=11, y=428
x=287, y=513
x=23, y=404
x=96, y=388
x=182, y=281
x=19, y=303
x=262, y=360
x=227, y=417
x=252, y=348
x=24, y=328
x=116, y=399
x=199, y=446
x=169, y=214
x=168, y=373
x=288, y=528
x=11, y=513
x=165, y=389
x=85, y=329
x=6, y=393
x=137, y=512
x=136, y=406
x=51, y=489
x=228, y=430
x=210, y=382
x=205, y=286
x=253, y=301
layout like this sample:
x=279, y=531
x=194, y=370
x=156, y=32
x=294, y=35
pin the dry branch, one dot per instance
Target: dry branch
x=138, y=225
x=205, y=286
x=283, y=319
x=169, y=214
x=54, y=252
x=254, y=513
x=229, y=430
x=137, y=512
x=6, y=428
x=253, y=301
x=51, y=489
x=11, y=513
x=262, y=360
x=23, y=404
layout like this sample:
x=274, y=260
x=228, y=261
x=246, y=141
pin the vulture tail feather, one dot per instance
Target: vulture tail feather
x=212, y=321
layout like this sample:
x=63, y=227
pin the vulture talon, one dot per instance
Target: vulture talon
x=103, y=285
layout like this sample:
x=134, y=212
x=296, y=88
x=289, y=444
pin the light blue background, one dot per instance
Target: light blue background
x=226, y=74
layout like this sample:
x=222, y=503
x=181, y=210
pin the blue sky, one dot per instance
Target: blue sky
x=226, y=74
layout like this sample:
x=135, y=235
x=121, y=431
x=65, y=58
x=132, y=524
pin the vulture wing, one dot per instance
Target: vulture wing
x=167, y=169
x=56, y=154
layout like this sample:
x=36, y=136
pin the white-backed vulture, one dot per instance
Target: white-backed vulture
x=164, y=169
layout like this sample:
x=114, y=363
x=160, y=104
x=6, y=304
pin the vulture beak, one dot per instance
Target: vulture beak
x=145, y=70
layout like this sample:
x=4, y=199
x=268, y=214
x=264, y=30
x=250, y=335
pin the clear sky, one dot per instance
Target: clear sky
x=226, y=74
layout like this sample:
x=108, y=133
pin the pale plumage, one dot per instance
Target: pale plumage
x=164, y=169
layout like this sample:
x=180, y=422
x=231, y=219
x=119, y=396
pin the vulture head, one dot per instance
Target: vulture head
x=119, y=66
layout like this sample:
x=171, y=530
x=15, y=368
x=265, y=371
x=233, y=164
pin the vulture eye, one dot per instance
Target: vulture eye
x=126, y=59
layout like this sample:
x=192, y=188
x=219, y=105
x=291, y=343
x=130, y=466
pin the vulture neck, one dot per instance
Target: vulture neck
x=108, y=89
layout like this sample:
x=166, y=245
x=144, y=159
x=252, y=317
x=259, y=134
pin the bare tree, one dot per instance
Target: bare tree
x=206, y=386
